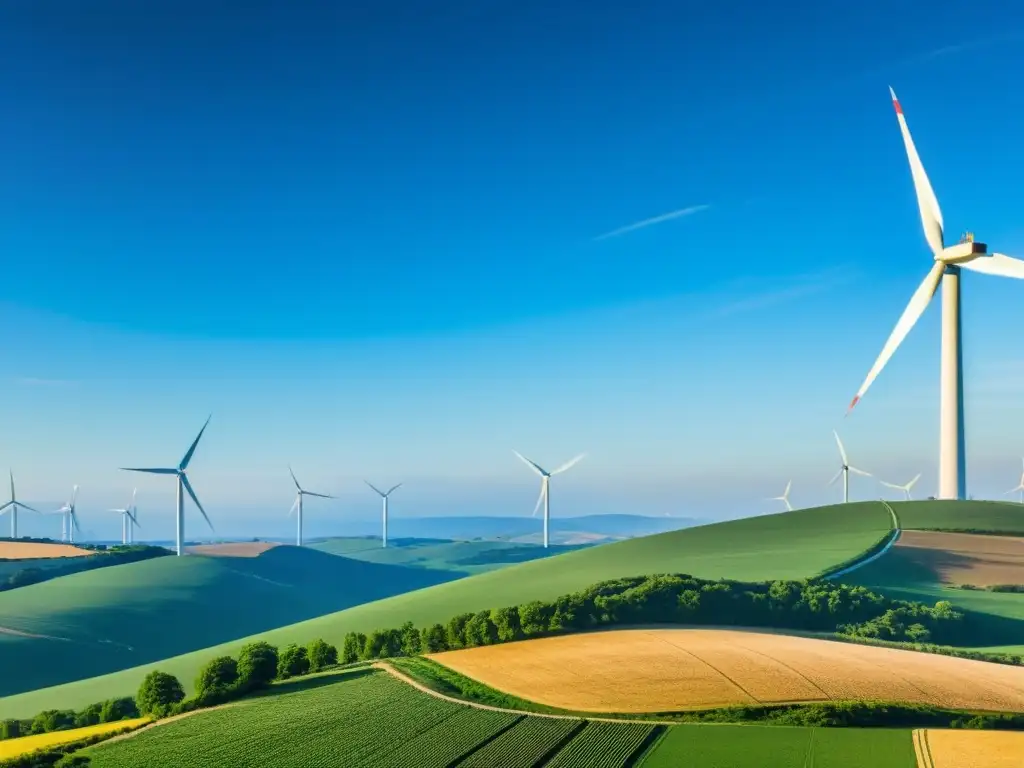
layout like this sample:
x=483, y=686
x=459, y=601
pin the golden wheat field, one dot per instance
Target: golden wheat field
x=939, y=748
x=31, y=550
x=25, y=744
x=661, y=670
x=965, y=558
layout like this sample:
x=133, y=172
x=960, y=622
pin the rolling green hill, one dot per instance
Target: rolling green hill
x=463, y=557
x=108, y=619
x=990, y=516
x=783, y=546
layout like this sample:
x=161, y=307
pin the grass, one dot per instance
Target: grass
x=462, y=557
x=358, y=720
x=736, y=746
x=27, y=744
x=111, y=618
x=783, y=546
x=968, y=516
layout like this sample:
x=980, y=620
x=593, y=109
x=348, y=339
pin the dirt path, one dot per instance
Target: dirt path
x=431, y=692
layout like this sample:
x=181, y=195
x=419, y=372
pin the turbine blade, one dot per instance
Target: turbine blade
x=74, y=519
x=318, y=495
x=540, y=498
x=151, y=470
x=910, y=485
x=299, y=487
x=293, y=507
x=375, y=488
x=536, y=467
x=836, y=477
x=931, y=216
x=393, y=488
x=13, y=497
x=789, y=507
x=842, y=451
x=789, y=485
x=998, y=264
x=893, y=485
x=22, y=505
x=860, y=472
x=6, y=505
x=74, y=497
x=192, y=448
x=916, y=307
x=192, y=493
x=569, y=464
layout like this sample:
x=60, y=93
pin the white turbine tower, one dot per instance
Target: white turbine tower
x=13, y=505
x=128, y=520
x=297, y=505
x=183, y=486
x=69, y=518
x=784, y=498
x=1020, y=486
x=966, y=254
x=545, y=487
x=384, y=495
x=905, y=488
x=845, y=470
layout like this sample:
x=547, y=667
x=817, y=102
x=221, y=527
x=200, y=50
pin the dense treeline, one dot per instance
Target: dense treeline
x=812, y=605
x=129, y=553
x=1017, y=588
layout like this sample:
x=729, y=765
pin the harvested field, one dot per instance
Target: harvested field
x=964, y=558
x=664, y=670
x=233, y=549
x=32, y=550
x=940, y=748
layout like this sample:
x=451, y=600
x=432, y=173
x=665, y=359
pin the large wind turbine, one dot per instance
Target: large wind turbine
x=1020, y=487
x=13, y=505
x=966, y=254
x=784, y=498
x=183, y=485
x=545, y=486
x=69, y=519
x=128, y=520
x=905, y=488
x=845, y=470
x=384, y=495
x=297, y=506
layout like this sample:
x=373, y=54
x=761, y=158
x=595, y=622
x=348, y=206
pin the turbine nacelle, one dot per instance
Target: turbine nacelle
x=961, y=253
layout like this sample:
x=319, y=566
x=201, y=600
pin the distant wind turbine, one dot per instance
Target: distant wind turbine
x=69, y=518
x=905, y=488
x=13, y=505
x=845, y=470
x=545, y=486
x=297, y=505
x=128, y=520
x=384, y=495
x=784, y=498
x=1020, y=486
x=183, y=485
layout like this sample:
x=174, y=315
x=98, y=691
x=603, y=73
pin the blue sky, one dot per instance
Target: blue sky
x=388, y=243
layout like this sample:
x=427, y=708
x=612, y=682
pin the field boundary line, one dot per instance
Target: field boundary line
x=476, y=748
x=893, y=538
x=708, y=664
x=454, y=700
x=794, y=670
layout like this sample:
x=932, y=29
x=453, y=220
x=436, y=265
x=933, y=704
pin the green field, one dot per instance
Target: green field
x=994, y=516
x=463, y=557
x=116, y=617
x=8, y=567
x=784, y=546
x=752, y=746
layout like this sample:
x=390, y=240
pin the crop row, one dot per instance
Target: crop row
x=524, y=745
x=443, y=744
x=602, y=745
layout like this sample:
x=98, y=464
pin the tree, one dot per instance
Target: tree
x=113, y=710
x=91, y=715
x=10, y=729
x=352, y=647
x=411, y=641
x=257, y=666
x=506, y=621
x=535, y=617
x=292, y=662
x=158, y=691
x=480, y=630
x=217, y=678
x=435, y=639
x=321, y=655
x=456, y=630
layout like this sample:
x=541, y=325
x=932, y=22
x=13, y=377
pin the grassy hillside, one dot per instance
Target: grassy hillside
x=111, y=618
x=994, y=516
x=784, y=546
x=464, y=557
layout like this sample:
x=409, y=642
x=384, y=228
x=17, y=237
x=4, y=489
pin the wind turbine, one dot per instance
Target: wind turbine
x=13, y=505
x=384, y=496
x=127, y=520
x=966, y=254
x=69, y=519
x=845, y=470
x=784, y=498
x=545, y=487
x=183, y=485
x=905, y=488
x=298, y=504
x=1020, y=487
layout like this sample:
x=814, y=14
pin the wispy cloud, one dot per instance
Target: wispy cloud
x=654, y=220
x=798, y=287
x=32, y=381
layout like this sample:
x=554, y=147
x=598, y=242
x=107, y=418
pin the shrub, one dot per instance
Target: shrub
x=10, y=729
x=292, y=662
x=435, y=639
x=411, y=641
x=321, y=655
x=352, y=648
x=257, y=666
x=216, y=679
x=158, y=692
